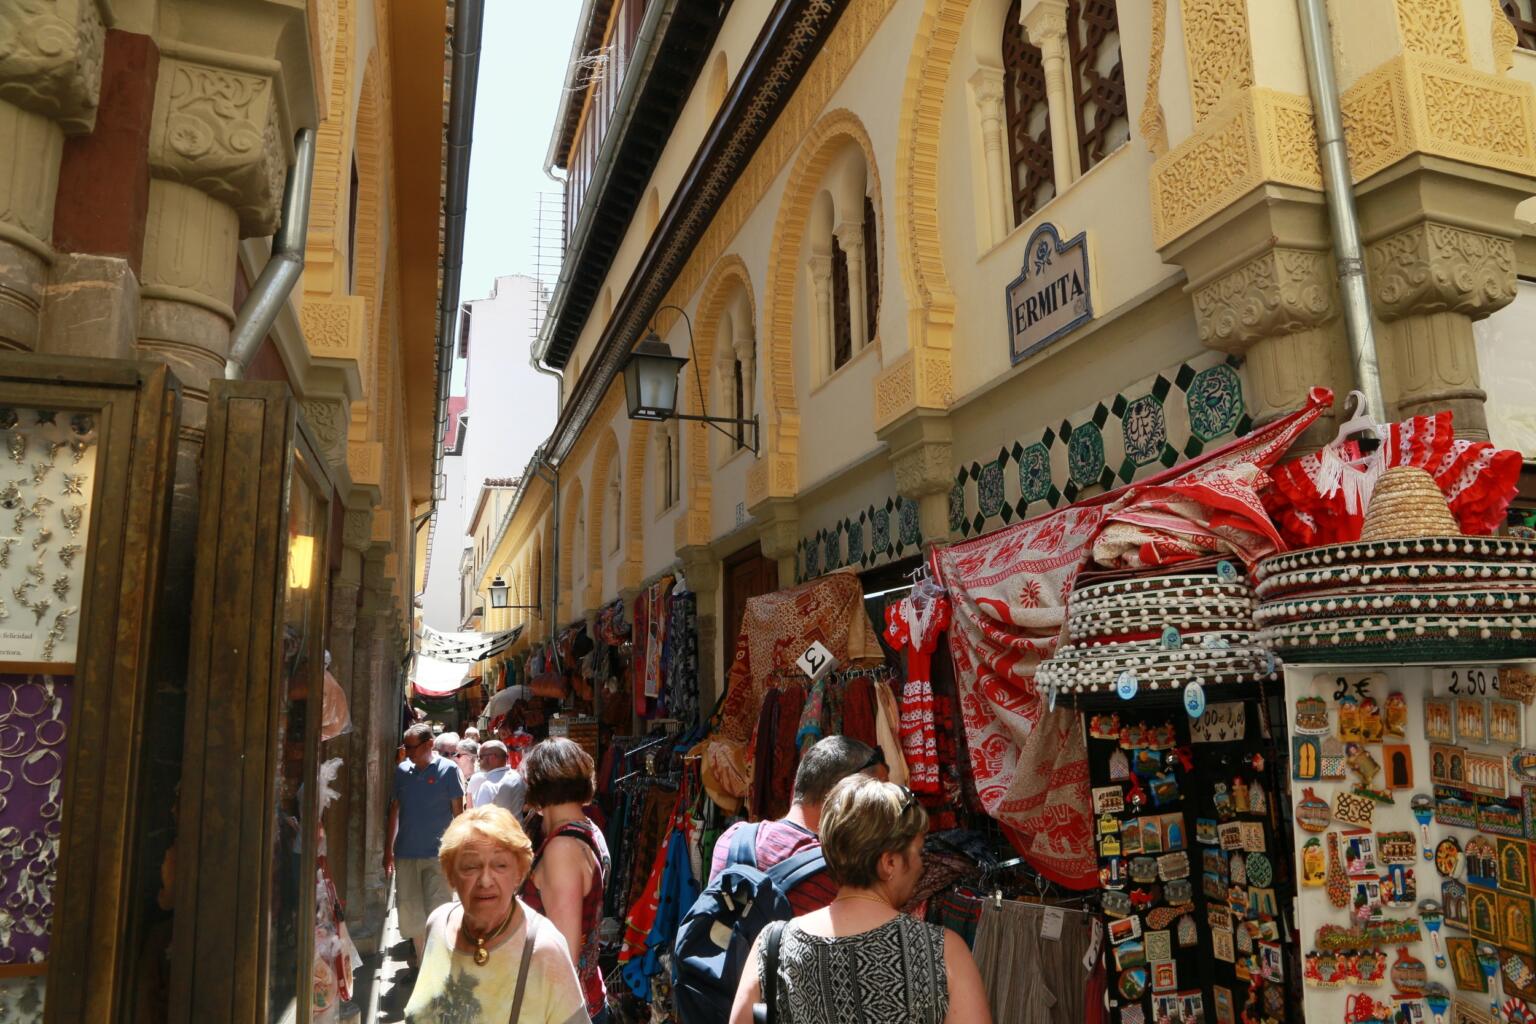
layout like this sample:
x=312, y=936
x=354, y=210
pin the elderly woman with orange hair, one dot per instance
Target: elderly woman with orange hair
x=490, y=958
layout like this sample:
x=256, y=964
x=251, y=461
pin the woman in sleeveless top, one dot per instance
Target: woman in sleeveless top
x=861, y=961
x=572, y=865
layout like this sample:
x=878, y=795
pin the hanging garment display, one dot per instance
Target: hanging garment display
x=916, y=622
x=1035, y=961
x=1009, y=592
x=776, y=629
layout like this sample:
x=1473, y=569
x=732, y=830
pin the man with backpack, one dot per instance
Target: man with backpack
x=761, y=872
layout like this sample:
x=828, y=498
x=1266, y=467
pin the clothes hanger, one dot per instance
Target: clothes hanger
x=1360, y=422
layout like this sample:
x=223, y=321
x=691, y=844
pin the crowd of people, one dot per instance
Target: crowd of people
x=500, y=871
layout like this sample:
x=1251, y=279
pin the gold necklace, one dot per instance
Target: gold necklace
x=483, y=955
x=864, y=896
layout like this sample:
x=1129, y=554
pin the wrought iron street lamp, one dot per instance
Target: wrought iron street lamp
x=499, y=590
x=651, y=379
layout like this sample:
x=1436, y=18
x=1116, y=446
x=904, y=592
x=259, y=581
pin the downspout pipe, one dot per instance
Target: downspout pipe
x=285, y=266
x=1338, y=190
x=468, y=24
x=541, y=466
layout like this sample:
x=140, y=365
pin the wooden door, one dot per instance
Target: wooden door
x=747, y=574
x=245, y=868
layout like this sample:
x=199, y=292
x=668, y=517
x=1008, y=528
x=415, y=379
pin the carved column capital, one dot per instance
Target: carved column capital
x=1280, y=291
x=50, y=59
x=987, y=87
x=357, y=529
x=1046, y=25
x=220, y=126
x=328, y=417
x=700, y=568
x=1439, y=268
x=850, y=236
x=778, y=532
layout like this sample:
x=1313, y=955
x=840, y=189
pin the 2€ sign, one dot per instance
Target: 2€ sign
x=817, y=661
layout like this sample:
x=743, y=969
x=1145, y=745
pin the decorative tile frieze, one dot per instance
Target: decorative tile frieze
x=878, y=534
x=1141, y=430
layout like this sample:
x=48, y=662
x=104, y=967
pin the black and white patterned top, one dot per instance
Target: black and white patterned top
x=893, y=974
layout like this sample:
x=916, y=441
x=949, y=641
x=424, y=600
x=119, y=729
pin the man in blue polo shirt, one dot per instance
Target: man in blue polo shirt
x=428, y=794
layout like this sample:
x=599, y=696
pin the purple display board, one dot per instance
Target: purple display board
x=34, y=735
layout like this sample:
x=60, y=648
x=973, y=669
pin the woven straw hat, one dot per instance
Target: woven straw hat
x=1407, y=503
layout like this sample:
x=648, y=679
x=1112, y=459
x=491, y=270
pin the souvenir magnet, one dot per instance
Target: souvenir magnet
x=1194, y=699
x=1126, y=685
x=1313, y=864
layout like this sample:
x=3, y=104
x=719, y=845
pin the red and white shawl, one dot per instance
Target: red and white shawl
x=1009, y=594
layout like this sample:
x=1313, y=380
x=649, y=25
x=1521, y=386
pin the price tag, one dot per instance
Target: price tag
x=1050, y=923
x=1466, y=681
x=817, y=661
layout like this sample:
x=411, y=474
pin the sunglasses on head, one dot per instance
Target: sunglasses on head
x=908, y=798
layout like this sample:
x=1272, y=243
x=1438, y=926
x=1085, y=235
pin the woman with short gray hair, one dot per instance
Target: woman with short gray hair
x=861, y=959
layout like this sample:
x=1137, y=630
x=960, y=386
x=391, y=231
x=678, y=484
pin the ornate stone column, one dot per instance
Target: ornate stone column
x=778, y=532
x=850, y=236
x=820, y=266
x=1046, y=26
x=919, y=447
x=50, y=78
x=375, y=724
x=745, y=346
x=987, y=94
x=702, y=571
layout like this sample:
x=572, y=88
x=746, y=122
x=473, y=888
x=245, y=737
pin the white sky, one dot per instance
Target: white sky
x=523, y=55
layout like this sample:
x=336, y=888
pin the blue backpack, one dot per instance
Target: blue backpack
x=717, y=933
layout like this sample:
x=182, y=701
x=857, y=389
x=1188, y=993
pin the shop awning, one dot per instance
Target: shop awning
x=433, y=677
x=466, y=647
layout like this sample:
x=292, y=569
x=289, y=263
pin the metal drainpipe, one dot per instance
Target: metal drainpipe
x=284, y=267
x=1338, y=189
x=540, y=468
x=468, y=23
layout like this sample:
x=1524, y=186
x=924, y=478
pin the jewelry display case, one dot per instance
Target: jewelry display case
x=87, y=451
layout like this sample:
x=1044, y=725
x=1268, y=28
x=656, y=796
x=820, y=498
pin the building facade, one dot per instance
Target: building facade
x=969, y=260
x=144, y=150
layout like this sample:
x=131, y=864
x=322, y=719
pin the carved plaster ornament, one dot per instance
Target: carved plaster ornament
x=67, y=554
x=74, y=484
x=73, y=517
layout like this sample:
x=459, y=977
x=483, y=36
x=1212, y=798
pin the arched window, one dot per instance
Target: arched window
x=1098, y=79
x=1027, y=112
x=735, y=364
x=613, y=508
x=843, y=237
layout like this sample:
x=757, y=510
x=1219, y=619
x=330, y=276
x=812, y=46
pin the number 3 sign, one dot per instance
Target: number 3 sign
x=817, y=661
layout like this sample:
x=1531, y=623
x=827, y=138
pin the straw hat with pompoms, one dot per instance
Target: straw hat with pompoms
x=1407, y=503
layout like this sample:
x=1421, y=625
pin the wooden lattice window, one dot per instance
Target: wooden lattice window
x=1522, y=15
x=1029, y=124
x=871, y=270
x=842, y=316
x=1098, y=79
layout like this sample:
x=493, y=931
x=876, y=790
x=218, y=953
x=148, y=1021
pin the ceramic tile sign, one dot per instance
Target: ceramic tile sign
x=1051, y=296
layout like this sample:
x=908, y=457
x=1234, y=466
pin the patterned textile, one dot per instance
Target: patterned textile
x=763, y=740
x=779, y=627
x=813, y=718
x=677, y=888
x=652, y=610
x=956, y=911
x=682, y=687
x=785, y=756
x=917, y=625
x=1321, y=498
x=1009, y=592
x=859, y=711
x=645, y=836
x=888, y=730
x=892, y=974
